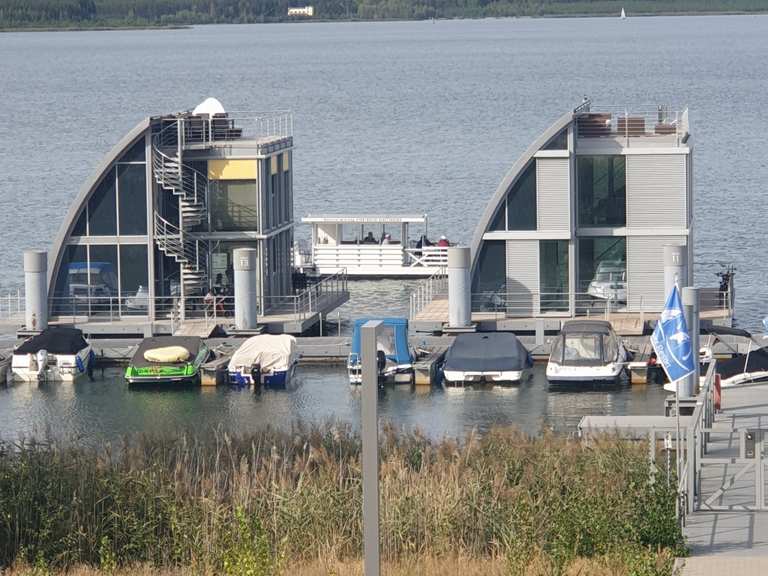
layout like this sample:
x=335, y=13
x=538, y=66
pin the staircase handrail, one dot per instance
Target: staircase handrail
x=170, y=236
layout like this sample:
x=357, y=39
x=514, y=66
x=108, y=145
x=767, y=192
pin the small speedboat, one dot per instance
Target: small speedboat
x=587, y=351
x=266, y=359
x=58, y=353
x=168, y=359
x=486, y=357
x=394, y=355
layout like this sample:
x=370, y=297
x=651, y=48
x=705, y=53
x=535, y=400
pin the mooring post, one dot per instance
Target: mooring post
x=36, y=289
x=459, y=291
x=370, y=457
x=690, y=300
x=245, y=264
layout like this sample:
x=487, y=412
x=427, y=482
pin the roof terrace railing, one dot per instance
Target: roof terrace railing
x=246, y=129
x=661, y=122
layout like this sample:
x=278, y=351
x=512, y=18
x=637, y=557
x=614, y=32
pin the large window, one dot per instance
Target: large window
x=602, y=191
x=553, y=275
x=102, y=207
x=132, y=191
x=521, y=201
x=233, y=205
x=489, y=283
x=602, y=267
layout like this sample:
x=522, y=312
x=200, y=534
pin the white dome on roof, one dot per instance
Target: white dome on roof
x=209, y=106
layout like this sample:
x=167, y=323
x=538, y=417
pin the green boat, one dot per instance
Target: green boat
x=168, y=359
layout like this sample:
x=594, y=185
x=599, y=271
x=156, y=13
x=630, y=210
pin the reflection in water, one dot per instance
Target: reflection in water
x=107, y=409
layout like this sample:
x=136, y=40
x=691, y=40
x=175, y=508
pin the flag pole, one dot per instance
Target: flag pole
x=677, y=445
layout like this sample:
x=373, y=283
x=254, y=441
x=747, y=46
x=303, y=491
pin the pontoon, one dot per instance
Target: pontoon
x=57, y=353
x=168, y=359
x=492, y=357
x=266, y=359
x=586, y=351
x=394, y=354
x=372, y=246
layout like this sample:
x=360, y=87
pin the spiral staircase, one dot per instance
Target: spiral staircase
x=190, y=186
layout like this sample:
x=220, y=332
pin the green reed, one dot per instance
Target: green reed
x=254, y=504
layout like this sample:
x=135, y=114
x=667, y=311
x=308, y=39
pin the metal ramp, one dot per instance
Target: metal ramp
x=202, y=328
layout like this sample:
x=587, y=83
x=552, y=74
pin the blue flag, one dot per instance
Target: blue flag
x=672, y=341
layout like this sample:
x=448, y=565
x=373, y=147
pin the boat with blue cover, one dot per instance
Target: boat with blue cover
x=394, y=354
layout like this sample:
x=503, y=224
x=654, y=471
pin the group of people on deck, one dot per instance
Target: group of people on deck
x=387, y=239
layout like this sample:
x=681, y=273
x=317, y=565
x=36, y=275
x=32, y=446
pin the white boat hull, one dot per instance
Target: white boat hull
x=400, y=374
x=457, y=377
x=59, y=368
x=608, y=373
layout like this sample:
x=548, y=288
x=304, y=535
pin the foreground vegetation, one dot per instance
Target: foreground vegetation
x=291, y=503
x=99, y=13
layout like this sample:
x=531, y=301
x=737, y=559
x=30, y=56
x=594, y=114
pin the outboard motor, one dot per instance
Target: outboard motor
x=256, y=375
x=42, y=363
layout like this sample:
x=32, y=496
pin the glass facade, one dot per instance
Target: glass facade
x=602, y=266
x=132, y=185
x=521, y=201
x=234, y=205
x=102, y=207
x=553, y=275
x=489, y=282
x=602, y=191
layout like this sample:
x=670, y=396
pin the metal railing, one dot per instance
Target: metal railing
x=171, y=240
x=431, y=288
x=693, y=449
x=316, y=297
x=247, y=129
x=12, y=305
x=661, y=121
x=714, y=299
x=427, y=256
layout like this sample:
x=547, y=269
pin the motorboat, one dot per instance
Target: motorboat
x=58, y=353
x=486, y=357
x=587, y=351
x=371, y=246
x=395, y=357
x=168, y=359
x=267, y=359
x=737, y=368
x=609, y=282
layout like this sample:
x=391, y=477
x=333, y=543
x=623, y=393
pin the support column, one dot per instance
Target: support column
x=245, y=262
x=690, y=298
x=675, y=268
x=370, y=456
x=36, y=289
x=459, y=291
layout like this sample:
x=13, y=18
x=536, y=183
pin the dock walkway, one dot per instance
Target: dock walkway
x=728, y=534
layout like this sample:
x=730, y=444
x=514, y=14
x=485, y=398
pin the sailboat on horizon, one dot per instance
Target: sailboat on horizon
x=623, y=14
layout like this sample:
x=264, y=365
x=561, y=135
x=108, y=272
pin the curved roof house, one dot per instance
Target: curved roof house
x=581, y=219
x=153, y=229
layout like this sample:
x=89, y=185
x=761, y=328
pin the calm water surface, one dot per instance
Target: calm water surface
x=408, y=116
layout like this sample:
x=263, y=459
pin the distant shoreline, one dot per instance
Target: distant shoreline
x=138, y=27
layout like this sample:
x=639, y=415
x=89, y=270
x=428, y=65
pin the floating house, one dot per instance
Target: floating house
x=150, y=236
x=579, y=224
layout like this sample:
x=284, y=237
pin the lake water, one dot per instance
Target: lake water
x=405, y=116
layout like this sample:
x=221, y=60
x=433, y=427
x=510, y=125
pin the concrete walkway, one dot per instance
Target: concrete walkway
x=735, y=540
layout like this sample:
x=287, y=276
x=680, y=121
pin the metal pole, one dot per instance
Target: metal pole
x=370, y=456
x=690, y=300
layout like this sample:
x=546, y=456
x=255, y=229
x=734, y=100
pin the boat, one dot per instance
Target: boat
x=371, y=246
x=738, y=368
x=394, y=355
x=623, y=14
x=587, y=351
x=168, y=359
x=609, y=282
x=58, y=353
x=267, y=359
x=486, y=357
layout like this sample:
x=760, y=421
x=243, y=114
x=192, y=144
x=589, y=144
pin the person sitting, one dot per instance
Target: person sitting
x=387, y=239
x=369, y=239
x=443, y=242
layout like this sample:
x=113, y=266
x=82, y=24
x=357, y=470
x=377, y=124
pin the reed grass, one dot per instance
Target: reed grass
x=277, y=502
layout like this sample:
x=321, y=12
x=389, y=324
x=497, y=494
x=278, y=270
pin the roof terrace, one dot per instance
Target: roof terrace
x=652, y=126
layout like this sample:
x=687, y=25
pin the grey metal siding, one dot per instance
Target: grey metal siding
x=645, y=271
x=553, y=194
x=522, y=277
x=657, y=191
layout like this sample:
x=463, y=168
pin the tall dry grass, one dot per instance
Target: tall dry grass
x=271, y=502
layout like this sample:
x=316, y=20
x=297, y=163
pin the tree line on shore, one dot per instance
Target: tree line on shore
x=94, y=13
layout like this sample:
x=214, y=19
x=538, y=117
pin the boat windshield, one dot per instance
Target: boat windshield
x=580, y=347
x=610, y=276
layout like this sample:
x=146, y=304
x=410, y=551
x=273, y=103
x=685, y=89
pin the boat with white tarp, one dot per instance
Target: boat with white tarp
x=267, y=359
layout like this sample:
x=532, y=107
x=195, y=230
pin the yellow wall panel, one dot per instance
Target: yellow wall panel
x=286, y=162
x=232, y=170
x=273, y=164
